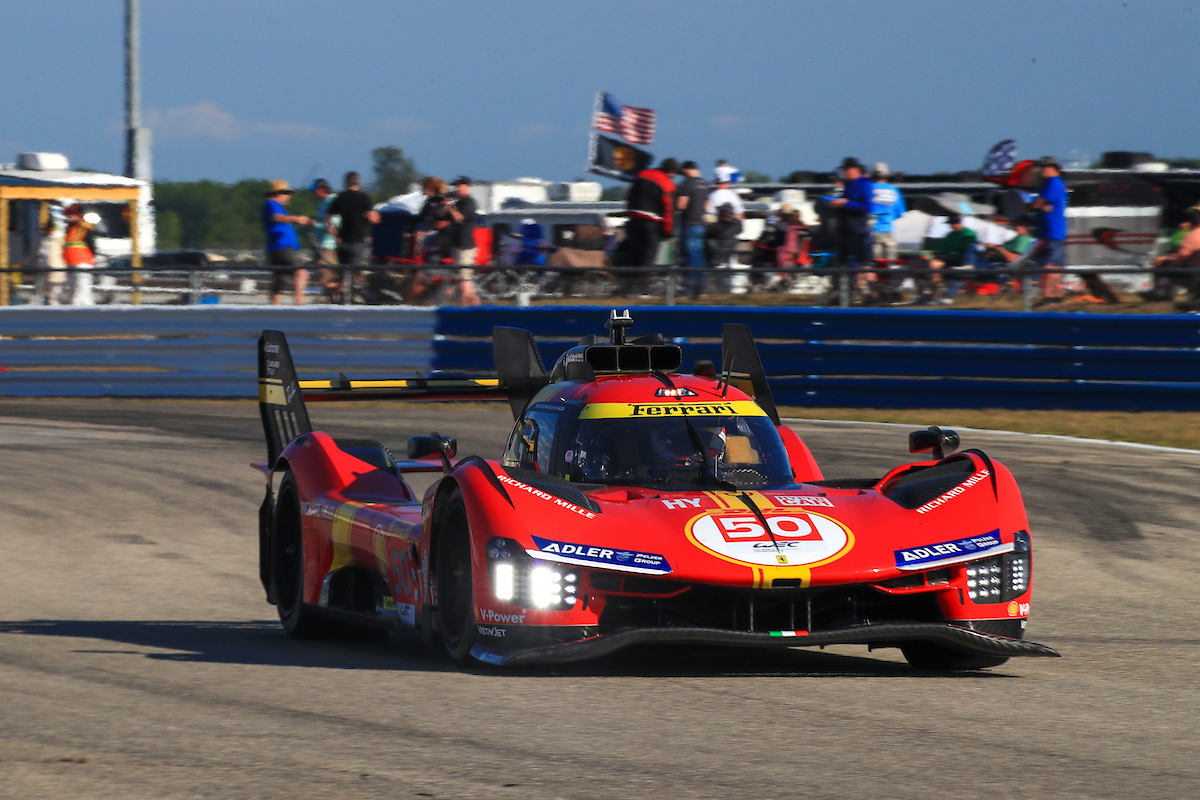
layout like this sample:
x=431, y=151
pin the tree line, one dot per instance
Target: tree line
x=210, y=215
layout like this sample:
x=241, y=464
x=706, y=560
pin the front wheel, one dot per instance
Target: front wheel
x=287, y=565
x=455, y=598
x=927, y=655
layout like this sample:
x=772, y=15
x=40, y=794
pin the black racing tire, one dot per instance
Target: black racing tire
x=456, y=596
x=927, y=655
x=287, y=565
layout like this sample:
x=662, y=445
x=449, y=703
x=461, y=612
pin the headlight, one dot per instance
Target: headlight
x=1001, y=578
x=519, y=580
x=503, y=585
x=983, y=582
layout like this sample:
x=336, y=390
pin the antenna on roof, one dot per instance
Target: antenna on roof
x=617, y=325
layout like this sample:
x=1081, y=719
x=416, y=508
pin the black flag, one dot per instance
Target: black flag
x=615, y=159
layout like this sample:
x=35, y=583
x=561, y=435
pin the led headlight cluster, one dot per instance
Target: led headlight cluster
x=550, y=586
x=983, y=582
x=1001, y=578
x=1018, y=574
x=520, y=580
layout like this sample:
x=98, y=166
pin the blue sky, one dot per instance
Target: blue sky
x=293, y=88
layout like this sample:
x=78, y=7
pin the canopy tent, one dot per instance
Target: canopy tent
x=46, y=185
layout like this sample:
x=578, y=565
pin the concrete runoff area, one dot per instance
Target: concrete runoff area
x=139, y=660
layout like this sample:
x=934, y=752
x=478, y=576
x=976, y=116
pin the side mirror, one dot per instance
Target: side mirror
x=421, y=446
x=935, y=440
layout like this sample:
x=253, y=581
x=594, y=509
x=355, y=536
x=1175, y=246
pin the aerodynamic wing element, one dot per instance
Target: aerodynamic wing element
x=280, y=401
x=739, y=358
x=519, y=365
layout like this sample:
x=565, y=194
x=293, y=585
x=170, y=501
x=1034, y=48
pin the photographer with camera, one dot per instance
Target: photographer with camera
x=463, y=212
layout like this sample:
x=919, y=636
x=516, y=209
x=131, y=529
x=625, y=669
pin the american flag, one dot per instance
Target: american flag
x=1000, y=159
x=634, y=125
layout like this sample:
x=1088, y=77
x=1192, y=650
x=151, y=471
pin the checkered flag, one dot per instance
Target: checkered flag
x=1000, y=159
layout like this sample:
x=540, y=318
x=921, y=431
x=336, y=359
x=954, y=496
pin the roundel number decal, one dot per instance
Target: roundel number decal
x=795, y=539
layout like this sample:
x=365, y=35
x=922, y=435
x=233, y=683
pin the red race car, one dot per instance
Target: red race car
x=633, y=504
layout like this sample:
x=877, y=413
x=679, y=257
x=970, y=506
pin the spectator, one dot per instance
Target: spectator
x=325, y=241
x=463, y=212
x=283, y=246
x=724, y=171
x=650, y=209
x=356, y=213
x=721, y=238
x=436, y=220
x=724, y=196
x=79, y=253
x=50, y=256
x=887, y=205
x=851, y=213
x=955, y=250
x=1014, y=248
x=1051, y=207
x=692, y=197
x=1187, y=256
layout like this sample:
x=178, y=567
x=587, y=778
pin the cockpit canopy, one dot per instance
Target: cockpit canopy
x=678, y=438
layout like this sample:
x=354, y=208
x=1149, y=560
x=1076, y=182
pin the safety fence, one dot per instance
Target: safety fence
x=913, y=283
x=815, y=356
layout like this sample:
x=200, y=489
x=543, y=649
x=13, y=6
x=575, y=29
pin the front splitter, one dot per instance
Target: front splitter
x=963, y=639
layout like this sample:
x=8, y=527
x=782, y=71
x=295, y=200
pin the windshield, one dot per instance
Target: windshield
x=686, y=451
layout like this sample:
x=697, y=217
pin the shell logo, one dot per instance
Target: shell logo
x=795, y=538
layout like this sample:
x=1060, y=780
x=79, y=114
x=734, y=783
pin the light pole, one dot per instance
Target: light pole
x=137, y=138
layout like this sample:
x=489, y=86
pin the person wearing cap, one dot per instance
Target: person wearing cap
x=726, y=171
x=1051, y=208
x=852, y=211
x=722, y=195
x=79, y=254
x=692, y=196
x=887, y=205
x=650, y=215
x=463, y=213
x=283, y=245
x=324, y=241
x=955, y=250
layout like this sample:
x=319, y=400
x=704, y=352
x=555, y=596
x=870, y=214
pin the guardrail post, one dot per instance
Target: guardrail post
x=5, y=276
x=135, y=256
x=844, y=287
x=347, y=287
x=1026, y=291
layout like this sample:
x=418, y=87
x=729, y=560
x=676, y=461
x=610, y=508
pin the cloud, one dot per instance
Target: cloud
x=531, y=131
x=726, y=122
x=400, y=125
x=208, y=121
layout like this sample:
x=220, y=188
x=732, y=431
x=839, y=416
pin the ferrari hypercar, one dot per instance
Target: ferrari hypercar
x=633, y=503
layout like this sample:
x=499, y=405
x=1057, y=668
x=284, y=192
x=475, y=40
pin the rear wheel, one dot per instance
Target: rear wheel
x=287, y=565
x=456, y=600
x=927, y=655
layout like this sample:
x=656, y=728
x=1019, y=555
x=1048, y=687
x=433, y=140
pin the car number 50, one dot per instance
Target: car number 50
x=783, y=527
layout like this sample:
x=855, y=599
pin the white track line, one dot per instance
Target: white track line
x=1073, y=439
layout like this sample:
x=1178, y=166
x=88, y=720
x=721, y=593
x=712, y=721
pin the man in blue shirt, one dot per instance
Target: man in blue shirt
x=887, y=205
x=283, y=245
x=1051, y=208
x=853, y=222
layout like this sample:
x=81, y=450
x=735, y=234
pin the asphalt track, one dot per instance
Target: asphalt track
x=138, y=659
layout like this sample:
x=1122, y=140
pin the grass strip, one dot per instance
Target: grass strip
x=1166, y=428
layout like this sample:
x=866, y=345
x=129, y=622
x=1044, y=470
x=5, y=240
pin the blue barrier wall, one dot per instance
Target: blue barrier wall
x=815, y=356
x=902, y=358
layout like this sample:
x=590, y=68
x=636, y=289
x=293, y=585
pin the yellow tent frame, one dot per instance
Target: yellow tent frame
x=52, y=191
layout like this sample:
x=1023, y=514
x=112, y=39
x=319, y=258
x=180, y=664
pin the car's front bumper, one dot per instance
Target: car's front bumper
x=887, y=634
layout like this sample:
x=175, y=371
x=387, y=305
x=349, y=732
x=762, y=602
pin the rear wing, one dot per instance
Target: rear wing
x=282, y=396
